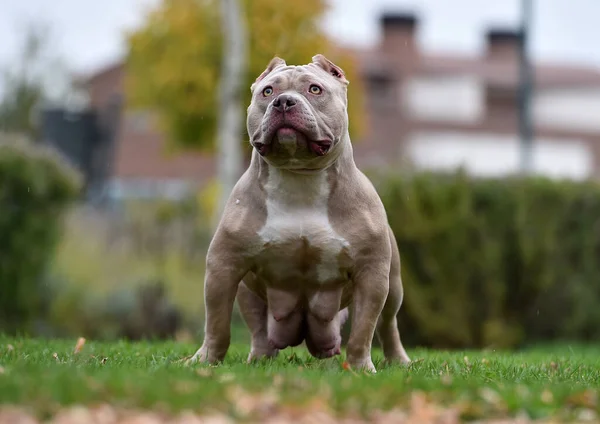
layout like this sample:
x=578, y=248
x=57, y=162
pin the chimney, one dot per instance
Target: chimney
x=503, y=44
x=399, y=34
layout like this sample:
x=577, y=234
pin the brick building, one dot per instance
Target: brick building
x=142, y=165
x=429, y=111
x=439, y=112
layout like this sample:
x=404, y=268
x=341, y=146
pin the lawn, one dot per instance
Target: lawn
x=46, y=376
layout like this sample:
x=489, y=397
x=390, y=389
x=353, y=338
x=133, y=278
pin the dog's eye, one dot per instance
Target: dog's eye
x=315, y=89
x=267, y=91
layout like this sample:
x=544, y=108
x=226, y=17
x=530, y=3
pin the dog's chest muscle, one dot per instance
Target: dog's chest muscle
x=298, y=240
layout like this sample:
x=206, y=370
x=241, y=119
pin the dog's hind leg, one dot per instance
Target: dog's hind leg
x=254, y=312
x=387, y=326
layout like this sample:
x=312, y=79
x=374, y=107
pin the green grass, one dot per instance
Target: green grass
x=541, y=382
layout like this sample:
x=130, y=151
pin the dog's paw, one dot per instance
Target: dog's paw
x=398, y=359
x=362, y=364
x=258, y=353
x=205, y=355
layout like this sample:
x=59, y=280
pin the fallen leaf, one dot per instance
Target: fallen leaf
x=446, y=379
x=145, y=417
x=75, y=414
x=105, y=414
x=14, y=415
x=346, y=367
x=277, y=380
x=547, y=396
x=188, y=417
x=226, y=378
x=490, y=396
x=587, y=415
x=587, y=399
x=79, y=345
x=204, y=372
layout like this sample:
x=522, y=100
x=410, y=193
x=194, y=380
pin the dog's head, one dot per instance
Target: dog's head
x=298, y=119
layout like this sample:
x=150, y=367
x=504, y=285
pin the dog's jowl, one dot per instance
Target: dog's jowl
x=304, y=238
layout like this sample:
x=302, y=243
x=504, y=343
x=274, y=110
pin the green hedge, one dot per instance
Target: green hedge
x=35, y=188
x=496, y=263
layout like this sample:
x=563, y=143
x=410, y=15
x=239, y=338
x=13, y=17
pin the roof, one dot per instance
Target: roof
x=112, y=67
x=503, y=73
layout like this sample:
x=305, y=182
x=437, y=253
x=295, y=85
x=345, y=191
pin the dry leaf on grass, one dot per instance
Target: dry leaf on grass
x=587, y=399
x=277, y=380
x=547, y=396
x=187, y=417
x=74, y=415
x=226, y=378
x=79, y=345
x=204, y=372
x=15, y=416
x=346, y=367
x=143, y=418
x=266, y=409
x=247, y=404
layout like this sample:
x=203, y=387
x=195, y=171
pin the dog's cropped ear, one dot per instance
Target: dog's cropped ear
x=276, y=62
x=330, y=67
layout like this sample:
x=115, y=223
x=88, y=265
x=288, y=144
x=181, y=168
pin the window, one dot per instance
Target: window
x=382, y=92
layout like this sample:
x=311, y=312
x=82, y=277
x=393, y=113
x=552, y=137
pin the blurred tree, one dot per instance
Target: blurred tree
x=35, y=75
x=22, y=91
x=175, y=61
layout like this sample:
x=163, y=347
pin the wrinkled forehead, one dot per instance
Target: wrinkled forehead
x=291, y=75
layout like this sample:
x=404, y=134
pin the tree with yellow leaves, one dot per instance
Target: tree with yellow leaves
x=175, y=60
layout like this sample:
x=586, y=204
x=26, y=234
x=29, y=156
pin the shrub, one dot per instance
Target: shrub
x=496, y=263
x=107, y=262
x=36, y=187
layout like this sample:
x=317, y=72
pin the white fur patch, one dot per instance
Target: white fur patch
x=296, y=208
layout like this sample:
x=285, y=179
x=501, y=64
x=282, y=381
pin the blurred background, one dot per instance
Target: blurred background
x=478, y=123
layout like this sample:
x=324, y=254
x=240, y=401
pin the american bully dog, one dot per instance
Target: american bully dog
x=304, y=236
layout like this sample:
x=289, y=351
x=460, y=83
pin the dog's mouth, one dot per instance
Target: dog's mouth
x=320, y=147
x=292, y=134
x=262, y=148
x=305, y=171
x=287, y=132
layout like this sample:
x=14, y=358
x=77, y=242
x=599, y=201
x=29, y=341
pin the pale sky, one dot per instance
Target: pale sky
x=88, y=33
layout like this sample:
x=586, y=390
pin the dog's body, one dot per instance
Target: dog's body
x=304, y=230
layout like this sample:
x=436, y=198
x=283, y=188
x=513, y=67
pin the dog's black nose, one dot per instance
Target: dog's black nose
x=284, y=102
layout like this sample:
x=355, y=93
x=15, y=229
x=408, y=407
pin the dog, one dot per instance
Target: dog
x=304, y=237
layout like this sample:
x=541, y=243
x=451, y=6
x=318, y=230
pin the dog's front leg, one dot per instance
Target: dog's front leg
x=223, y=275
x=371, y=287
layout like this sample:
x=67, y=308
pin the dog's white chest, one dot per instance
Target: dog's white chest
x=298, y=238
